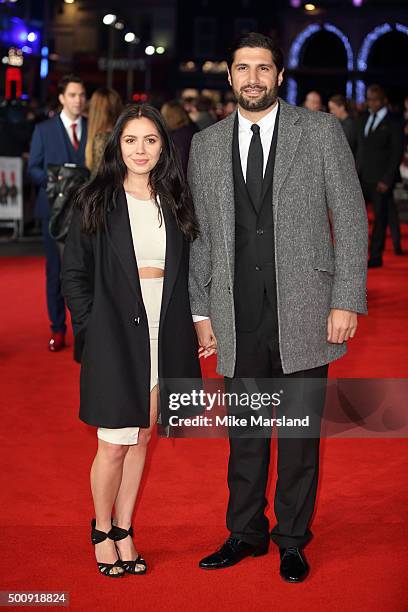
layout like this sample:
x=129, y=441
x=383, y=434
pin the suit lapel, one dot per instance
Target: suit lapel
x=64, y=140
x=120, y=237
x=289, y=132
x=174, y=247
x=82, y=142
x=270, y=165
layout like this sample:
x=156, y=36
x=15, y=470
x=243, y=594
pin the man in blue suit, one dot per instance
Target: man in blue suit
x=59, y=140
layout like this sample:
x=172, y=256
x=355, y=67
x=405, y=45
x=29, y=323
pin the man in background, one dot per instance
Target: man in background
x=379, y=154
x=57, y=141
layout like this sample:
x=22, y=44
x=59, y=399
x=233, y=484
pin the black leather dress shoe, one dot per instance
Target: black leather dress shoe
x=293, y=567
x=232, y=552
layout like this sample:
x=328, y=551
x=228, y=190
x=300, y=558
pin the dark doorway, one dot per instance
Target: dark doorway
x=323, y=67
x=387, y=65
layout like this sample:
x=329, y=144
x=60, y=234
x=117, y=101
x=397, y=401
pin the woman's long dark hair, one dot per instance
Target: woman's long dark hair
x=166, y=179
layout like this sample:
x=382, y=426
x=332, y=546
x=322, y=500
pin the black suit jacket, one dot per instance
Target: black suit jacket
x=379, y=154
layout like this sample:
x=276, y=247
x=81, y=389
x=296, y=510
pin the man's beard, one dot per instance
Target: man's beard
x=266, y=101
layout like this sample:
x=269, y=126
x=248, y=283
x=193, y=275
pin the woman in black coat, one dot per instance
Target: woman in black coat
x=125, y=274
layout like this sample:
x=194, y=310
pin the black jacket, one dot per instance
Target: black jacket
x=102, y=289
x=379, y=154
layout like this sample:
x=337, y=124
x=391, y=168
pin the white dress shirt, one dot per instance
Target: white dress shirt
x=378, y=118
x=67, y=124
x=266, y=125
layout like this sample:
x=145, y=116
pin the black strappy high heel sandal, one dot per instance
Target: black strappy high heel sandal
x=117, y=533
x=105, y=568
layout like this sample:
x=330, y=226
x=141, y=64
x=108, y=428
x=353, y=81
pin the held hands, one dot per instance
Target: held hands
x=206, y=339
x=341, y=325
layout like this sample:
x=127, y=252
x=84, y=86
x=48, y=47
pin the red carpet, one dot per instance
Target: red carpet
x=358, y=555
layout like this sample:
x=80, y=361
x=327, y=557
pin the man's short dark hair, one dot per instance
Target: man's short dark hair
x=256, y=40
x=377, y=90
x=66, y=80
x=339, y=100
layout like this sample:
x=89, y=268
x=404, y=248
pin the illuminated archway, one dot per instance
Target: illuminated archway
x=368, y=42
x=296, y=50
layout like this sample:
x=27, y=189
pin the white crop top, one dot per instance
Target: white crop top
x=149, y=240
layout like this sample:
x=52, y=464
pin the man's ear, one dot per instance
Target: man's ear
x=229, y=77
x=61, y=99
x=280, y=77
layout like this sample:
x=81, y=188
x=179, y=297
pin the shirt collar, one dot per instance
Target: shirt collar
x=266, y=123
x=381, y=113
x=68, y=122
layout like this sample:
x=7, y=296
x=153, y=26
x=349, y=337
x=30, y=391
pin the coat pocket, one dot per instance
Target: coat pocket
x=324, y=266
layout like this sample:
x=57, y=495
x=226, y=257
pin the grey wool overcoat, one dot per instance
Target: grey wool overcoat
x=315, y=270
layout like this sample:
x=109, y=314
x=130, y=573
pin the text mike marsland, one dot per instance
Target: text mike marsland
x=234, y=421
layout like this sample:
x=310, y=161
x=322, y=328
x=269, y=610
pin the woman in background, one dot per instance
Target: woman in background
x=105, y=107
x=181, y=127
x=339, y=107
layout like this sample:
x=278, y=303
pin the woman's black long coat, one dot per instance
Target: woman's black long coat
x=101, y=285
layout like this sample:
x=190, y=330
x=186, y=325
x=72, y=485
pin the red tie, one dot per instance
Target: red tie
x=75, y=140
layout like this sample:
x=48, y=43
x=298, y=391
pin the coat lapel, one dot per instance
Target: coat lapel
x=289, y=132
x=225, y=185
x=120, y=237
x=174, y=247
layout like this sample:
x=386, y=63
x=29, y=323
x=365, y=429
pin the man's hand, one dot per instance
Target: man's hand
x=206, y=339
x=341, y=325
x=382, y=187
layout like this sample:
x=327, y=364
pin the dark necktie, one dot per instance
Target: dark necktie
x=75, y=140
x=371, y=130
x=254, y=174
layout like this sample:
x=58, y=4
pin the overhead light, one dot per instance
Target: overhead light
x=160, y=50
x=150, y=50
x=310, y=7
x=119, y=25
x=109, y=19
x=129, y=37
x=69, y=1
x=32, y=36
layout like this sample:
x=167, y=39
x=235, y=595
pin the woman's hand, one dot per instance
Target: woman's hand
x=206, y=338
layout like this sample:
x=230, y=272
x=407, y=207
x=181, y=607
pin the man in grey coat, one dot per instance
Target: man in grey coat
x=274, y=289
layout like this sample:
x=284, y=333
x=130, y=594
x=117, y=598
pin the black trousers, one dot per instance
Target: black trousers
x=298, y=458
x=55, y=300
x=385, y=213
